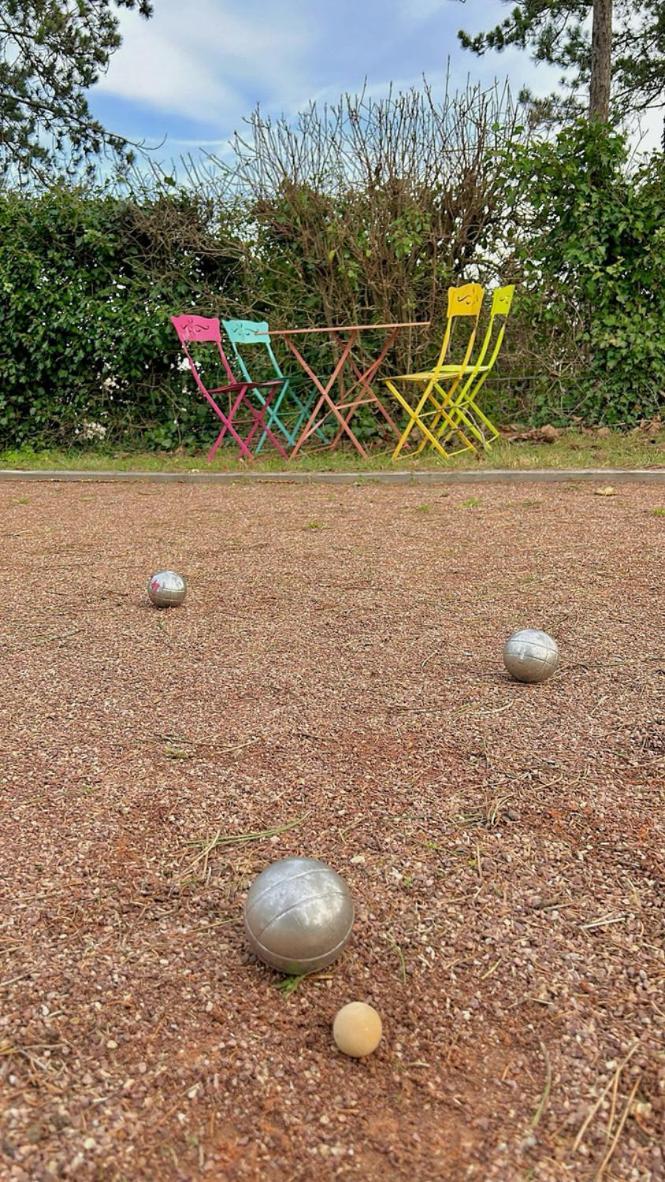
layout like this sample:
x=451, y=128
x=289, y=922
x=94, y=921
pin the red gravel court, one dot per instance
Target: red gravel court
x=336, y=665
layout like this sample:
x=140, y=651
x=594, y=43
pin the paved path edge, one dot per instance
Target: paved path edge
x=484, y=476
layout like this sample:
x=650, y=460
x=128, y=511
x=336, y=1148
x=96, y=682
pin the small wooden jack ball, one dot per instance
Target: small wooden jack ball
x=357, y=1029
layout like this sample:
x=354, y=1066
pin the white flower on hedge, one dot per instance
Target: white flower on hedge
x=90, y=431
x=183, y=365
x=110, y=383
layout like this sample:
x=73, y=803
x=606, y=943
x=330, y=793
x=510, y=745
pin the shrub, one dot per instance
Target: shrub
x=87, y=285
x=589, y=239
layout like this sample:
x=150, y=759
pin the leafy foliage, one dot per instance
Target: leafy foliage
x=87, y=285
x=367, y=210
x=88, y=280
x=50, y=53
x=589, y=237
x=558, y=32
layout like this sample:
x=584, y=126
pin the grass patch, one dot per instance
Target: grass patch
x=574, y=449
x=288, y=985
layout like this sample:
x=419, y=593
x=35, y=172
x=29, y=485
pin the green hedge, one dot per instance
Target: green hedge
x=88, y=282
x=588, y=230
x=87, y=285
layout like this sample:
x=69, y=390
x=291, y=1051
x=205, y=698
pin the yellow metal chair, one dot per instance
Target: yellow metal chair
x=439, y=400
x=465, y=401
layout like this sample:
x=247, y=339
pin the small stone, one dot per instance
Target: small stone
x=112, y=1045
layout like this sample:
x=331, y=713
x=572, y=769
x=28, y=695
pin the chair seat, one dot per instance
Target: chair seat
x=446, y=371
x=233, y=387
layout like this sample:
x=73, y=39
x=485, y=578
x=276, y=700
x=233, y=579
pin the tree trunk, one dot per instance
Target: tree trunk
x=601, y=61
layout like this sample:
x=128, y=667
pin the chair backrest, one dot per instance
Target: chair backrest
x=502, y=299
x=465, y=301
x=197, y=330
x=250, y=333
x=247, y=332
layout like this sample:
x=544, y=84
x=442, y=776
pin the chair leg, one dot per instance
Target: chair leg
x=467, y=401
x=414, y=421
x=273, y=420
x=228, y=427
x=411, y=414
x=213, y=450
x=467, y=410
x=436, y=415
x=453, y=419
x=259, y=417
x=484, y=419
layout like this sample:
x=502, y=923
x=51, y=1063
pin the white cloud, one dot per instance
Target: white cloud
x=200, y=61
x=151, y=69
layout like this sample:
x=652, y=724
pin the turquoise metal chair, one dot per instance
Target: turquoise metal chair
x=255, y=333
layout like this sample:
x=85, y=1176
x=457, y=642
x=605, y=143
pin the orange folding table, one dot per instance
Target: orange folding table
x=344, y=404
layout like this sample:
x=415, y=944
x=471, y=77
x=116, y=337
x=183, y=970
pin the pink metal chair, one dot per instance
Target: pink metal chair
x=197, y=329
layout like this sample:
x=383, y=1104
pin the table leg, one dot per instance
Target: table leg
x=364, y=381
x=311, y=426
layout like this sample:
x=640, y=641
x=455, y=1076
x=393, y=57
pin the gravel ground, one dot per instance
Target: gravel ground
x=337, y=667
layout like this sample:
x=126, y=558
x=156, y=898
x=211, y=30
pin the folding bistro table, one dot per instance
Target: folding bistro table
x=343, y=406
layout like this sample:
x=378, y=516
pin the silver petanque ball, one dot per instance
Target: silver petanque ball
x=530, y=655
x=166, y=589
x=298, y=915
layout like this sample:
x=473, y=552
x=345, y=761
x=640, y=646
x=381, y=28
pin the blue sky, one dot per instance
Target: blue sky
x=198, y=67
x=192, y=72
